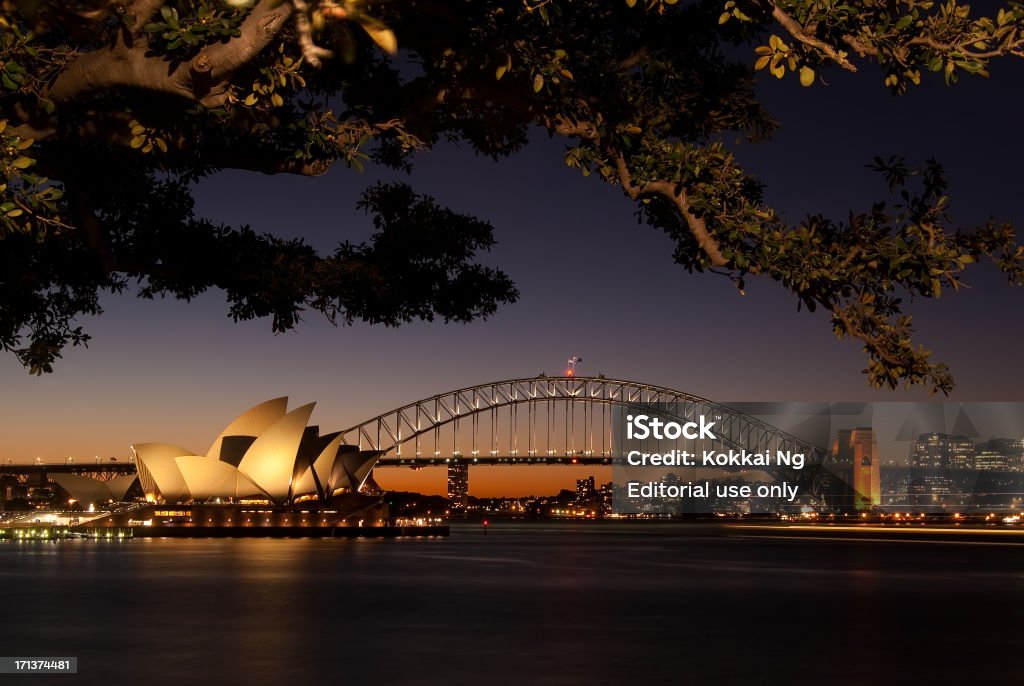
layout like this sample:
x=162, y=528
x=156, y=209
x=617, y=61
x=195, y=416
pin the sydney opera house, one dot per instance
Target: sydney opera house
x=266, y=454
x=267, y=468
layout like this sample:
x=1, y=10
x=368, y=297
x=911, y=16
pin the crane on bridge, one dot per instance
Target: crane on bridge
x=573, y=361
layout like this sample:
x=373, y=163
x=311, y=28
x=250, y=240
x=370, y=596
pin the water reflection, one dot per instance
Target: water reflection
x=545, y=604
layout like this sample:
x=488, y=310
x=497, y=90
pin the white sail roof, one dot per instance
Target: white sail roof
x=84, y=489
x=165, y=473
x=210, y=478
x=270, y=461
x=252, y=422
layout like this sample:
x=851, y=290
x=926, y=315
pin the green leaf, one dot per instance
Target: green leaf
x=538, y=83
x=806, y=76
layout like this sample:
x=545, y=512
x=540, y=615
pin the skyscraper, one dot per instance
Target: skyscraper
x=856, y=453
x=605, y=496
x=458, y=485
x=943, y=451
x=585, y=489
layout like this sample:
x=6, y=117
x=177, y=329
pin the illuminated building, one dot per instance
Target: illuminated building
x=999, y=454
x=585, y=489
x=267, y=454
x=943, y=451
x=458, y=485
x=856, y=453
x=991, y=460
x=605, y=497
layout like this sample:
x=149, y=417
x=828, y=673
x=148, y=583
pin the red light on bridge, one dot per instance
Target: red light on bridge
x=568, y=372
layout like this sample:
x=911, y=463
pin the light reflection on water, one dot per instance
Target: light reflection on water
x=537, y=604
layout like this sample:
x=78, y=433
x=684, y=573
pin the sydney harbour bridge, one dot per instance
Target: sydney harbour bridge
x=552, y=420
x=568, y=420
x=547, y=420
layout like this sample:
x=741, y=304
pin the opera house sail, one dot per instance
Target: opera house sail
x=268, y=473
x=267, y=454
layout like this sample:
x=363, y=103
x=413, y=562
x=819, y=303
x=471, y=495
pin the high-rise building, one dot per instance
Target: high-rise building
x=961, y=452
x=991, y=460
x=943, y=451
x=605, y=498
x=999, y=454
x=584, y=489
x=855, y=453
x=458, y=485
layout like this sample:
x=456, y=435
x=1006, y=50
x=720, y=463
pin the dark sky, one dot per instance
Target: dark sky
x=593, y=283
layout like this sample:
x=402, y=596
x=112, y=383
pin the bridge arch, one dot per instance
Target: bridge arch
x=411, y=435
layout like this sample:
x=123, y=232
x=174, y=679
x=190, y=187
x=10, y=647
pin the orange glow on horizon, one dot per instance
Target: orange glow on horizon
x=486, y=481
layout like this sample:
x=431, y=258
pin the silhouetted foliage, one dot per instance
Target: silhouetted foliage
x=113, y=109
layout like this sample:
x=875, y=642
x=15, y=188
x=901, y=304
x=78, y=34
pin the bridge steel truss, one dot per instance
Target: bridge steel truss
x=400, y=435
x=36, y=472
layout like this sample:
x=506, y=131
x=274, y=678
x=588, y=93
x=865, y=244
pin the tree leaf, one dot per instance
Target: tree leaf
x=382, y=36
x=806, y=76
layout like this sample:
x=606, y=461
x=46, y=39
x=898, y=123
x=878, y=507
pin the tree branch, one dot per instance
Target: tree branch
x=203, y=80
x=797, y=31
x=698, y=227
x=1011, y=45
x=263, y=23
x=312, y=52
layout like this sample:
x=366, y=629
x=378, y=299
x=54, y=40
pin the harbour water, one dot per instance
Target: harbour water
x=528, y=603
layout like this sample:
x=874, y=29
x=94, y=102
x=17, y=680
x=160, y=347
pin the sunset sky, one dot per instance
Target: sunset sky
x=593, y=283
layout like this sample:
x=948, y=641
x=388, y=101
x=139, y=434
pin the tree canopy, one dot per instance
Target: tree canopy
x=112, y=111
